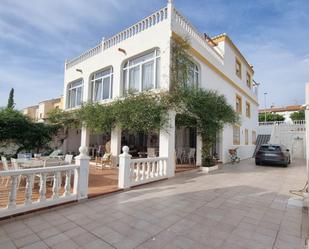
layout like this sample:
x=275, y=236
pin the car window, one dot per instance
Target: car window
x=270, y=148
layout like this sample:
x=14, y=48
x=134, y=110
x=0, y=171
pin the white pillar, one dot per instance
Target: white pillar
x=82, y=176
x=199, y=150
x=85, y=137
x=116, y=142
x=124, y=168
x=167, y=143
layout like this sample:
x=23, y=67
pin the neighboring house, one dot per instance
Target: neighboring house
x=285, y=111
x=139, y=58
x=31, y=111
x=39, y=112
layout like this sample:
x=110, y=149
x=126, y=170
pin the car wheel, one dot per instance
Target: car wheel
x=257, y=163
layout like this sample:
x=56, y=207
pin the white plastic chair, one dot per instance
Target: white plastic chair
x=68, y=159
x=179, y=155
x=151, y=152
x=191, y=155
x=55, y=153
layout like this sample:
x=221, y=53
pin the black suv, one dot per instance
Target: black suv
x=273, y=154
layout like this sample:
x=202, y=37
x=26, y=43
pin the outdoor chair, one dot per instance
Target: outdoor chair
x=191, y=155
x=50, y=176
x=68, y=159
x=104, y=161
x=179, y=155
x=151, y=152
x=54, y=154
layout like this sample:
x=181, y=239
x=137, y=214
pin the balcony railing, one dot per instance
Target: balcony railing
x=296, y=122
x=148, y=22
x=192, y=31
x=62, y=191
x=134, y=172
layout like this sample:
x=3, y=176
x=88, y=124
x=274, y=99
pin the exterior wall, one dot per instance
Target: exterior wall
x=156, y=37
x=225, y=81
x=45, y=107
x=39, y=112
x=30, y=112
x=72, y=143
x=59, y=104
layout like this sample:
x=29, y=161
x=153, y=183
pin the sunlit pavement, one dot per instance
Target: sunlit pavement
x=239, y=206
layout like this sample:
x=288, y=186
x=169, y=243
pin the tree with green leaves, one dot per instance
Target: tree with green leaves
x=207, y=112
x=64, y=120
x=142, y=112
x=270, y=117
x=11, y=103
x=300, y=115
x=18, y=129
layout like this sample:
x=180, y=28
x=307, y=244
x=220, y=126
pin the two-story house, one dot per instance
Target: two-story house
x=139, y=58
x=39, y=113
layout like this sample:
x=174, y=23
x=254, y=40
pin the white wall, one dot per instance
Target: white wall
x=212, y=80
x=156, y=37
x=72, y=143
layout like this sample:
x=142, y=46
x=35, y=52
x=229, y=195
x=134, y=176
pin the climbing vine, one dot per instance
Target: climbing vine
x=202, y=109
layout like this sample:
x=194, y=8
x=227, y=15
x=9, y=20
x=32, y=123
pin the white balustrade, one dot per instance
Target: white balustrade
x=148, y=22
x=291, y=123
x=181, y=21
x=133, y=172
x=88, y=54
x=79, y=171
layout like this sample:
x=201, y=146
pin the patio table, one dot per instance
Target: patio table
x=37, y=163
x=30, y=164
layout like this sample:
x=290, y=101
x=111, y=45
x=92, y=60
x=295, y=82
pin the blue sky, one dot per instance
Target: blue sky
x=37, y=36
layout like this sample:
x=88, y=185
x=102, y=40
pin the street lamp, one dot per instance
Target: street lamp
x=265, y=105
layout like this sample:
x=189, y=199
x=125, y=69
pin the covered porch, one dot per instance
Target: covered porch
x=181, y=145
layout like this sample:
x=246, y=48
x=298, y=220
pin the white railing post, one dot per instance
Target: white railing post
x=124, y=168
x=81, y=176
x=13, y=192
x=28, y=193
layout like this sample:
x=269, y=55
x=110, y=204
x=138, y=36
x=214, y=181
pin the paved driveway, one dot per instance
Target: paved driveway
x=241, y=206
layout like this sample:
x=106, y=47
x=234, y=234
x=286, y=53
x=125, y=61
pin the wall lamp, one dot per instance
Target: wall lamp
x=122, y=50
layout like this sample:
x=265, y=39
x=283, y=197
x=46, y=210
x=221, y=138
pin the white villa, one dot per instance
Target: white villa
x=139, y=58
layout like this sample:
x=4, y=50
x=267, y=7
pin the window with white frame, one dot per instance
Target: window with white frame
x=75, y=94
x=142, y=73
x=102, y=85
x=193, y=75
x=236, y=135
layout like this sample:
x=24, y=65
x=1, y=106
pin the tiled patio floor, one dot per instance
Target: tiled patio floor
x=101, y=181
x=240, y=206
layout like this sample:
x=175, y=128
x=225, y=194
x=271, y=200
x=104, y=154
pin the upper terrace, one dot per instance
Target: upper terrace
x=166, y=14
x=179, y=27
